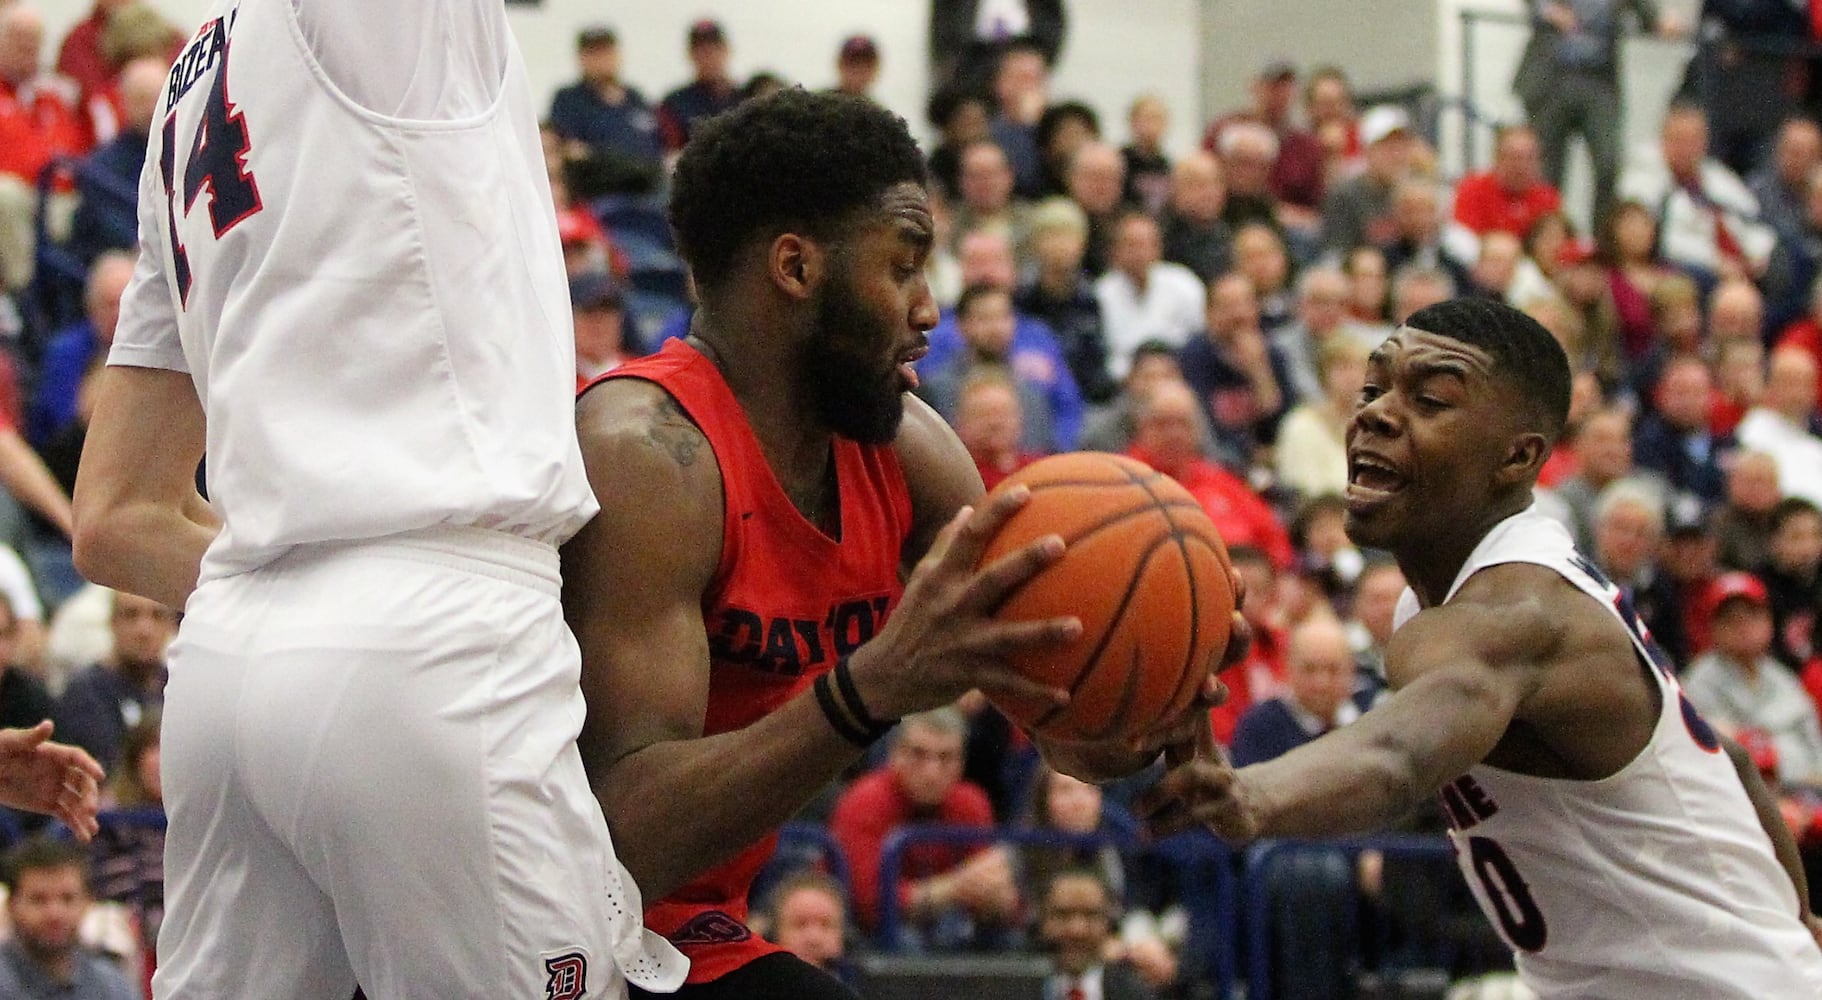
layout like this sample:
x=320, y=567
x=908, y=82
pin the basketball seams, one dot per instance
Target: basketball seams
x=1113, y=626
x=1180, y=536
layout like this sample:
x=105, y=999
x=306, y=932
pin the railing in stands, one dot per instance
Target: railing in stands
x=1207, y=863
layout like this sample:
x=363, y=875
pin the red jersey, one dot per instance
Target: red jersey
x=786, y=602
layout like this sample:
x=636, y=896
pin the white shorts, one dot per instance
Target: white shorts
x=371, y=776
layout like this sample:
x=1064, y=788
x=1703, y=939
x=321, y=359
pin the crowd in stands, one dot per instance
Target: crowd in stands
x=1209, y=311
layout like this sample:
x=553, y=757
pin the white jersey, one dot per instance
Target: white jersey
x=347, y=240
x=1655, y=882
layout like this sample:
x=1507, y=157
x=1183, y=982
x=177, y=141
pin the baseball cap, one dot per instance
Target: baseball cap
x=595, y=290
x=575, y=226
x=1382, y=121
x=595, y=36
x=859, y=48
x=1736, y=586
x=1278, y=69
x=706, y=31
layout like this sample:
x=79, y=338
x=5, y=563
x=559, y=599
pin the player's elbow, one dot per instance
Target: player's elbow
x=95, y=544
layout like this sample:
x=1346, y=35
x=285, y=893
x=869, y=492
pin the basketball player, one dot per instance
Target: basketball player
x=785, y=556
x=350, y=289
x=1620, y=847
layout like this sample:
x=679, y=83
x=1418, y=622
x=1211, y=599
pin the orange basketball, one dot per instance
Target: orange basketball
x=1144, y=571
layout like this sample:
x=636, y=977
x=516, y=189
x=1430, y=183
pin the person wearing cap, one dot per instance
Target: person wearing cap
x=598, y=305
x=711, y=92
x=1358, y=211
x=612, y=118
x=1568, y=81
x=857, y=66
x=1297, y=177
x=1738, y=685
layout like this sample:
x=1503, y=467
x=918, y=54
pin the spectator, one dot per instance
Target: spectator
x=1111, y=428
x=1165, y=438
x=1709, y=221
x=1261, y=675
x=107, y=183
x=1604, y=444
x=1737, y=685
x=1628, y=536
x=989, y=420
x=1376, y=593
x=1311, y=456
x=1782, y=184
x=1072, y=807
x=73, y=350
x=986, y=259
x=1021, y=92
x=47, y=898
x=1511, y=195
x=1688, y=561
x=1783, y=424
x=986, y=200
x=1322, y=316
x=1739, y=367
x=1736, y=311
x=1297, y=172
x=598, y=307
x=1062, y=130
x=1195, y=235
x=1148, y=174
x=24, y=701
x=1676, y=329
x=1418, y=288
x=1743, y=523
x=1242, y=379
x=1587, y=294
x=1328, y=106
x=108, y=698
x=1546, y=242
x=857, y=66
x=1249, y=150
x=135, y=30
x=1627, y=244
x=1075, y=924
x=1142, y=296
x=961, y=121
x=948, y=893
x=1061, y=296
x=1747, y=85
x=809, y=918
x=1806, y=334
x=600, y=110
x=1674, y=441
x=37, y=123
x=1416, y=238
x=1792, y=573
x=1048, y=398
x=710, y=93
x=967, y=37
x=80, y=59
x=1259, y=254
x=1097, y=181
x=1369, y=287
x=1495, y=271
x=127, y=858
x=1568, y=81
x=1359, y=210
x=1319, y=684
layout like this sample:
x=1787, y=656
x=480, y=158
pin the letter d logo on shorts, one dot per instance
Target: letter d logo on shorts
x=568, y=976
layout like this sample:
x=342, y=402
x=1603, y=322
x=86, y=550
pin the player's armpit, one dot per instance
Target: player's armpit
x=939, y=474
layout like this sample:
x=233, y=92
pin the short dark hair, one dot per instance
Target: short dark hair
x=1087, y=874
x=976, y=292
x=1524, y=354
x=946, y=102
x=1055, y=115
x=794, y=159
x=44, y=853
x=1790, y=507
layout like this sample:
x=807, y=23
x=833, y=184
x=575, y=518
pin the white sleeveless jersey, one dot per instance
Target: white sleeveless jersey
x=1657, y=882
x=348, y=241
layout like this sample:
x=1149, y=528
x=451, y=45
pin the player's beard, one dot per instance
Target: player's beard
x=856, y=392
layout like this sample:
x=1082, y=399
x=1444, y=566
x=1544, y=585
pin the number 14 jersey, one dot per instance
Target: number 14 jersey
x=1656, y=881
x=348, y=242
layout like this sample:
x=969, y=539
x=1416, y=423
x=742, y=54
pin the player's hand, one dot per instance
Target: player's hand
x=1200, y=789
x=53, y=778
x=1184, y=729
x=943, y=640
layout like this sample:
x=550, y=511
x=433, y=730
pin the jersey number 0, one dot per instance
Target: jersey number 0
x=218, y=162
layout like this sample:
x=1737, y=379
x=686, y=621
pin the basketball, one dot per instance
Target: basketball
x=1144, y=571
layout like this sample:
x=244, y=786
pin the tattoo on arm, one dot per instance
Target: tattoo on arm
x=670, y=430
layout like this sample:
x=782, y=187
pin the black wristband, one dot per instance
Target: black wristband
x=838, y=720
x=844, y=681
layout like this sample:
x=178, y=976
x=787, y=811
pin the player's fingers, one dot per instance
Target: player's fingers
x=990, y=587
x=1239, y=641
x=76, y=759
x=946, y=538
x=999, y=639
x=1197, y=779
x=22, y=740
x=1005, y=681
x=984, y=523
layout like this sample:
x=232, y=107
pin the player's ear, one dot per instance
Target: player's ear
x=1525, y=455
x=796, y=264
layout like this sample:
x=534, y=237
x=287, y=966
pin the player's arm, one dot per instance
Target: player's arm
x=141, y=527
x=1462, y=672
x=679, y=802
x=1766, y=806
x=942, y=479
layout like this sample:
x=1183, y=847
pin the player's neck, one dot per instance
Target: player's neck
x=1431, y=562
x=770, y=395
